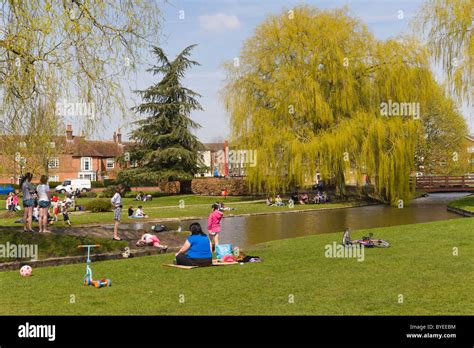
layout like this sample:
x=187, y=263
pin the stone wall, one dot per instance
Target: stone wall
x=199, y=186
x=214, y=186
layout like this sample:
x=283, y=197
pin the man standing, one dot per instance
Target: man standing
x=117, y=204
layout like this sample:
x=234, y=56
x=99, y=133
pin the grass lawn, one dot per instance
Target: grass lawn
x=168, y=207
x=420, y=266
x=466, y=203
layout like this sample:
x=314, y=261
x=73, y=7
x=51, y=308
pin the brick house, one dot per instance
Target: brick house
x=75, y=158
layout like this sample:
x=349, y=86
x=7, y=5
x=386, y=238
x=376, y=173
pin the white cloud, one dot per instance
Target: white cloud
x=219, y=22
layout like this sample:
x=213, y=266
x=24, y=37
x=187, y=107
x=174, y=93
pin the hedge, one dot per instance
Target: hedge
x=99, y=205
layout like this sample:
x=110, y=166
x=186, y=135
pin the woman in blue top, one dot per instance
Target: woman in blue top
x=196, y=251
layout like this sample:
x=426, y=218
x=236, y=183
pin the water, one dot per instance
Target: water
x=245, y=231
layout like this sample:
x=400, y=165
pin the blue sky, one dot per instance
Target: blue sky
x=219, y=28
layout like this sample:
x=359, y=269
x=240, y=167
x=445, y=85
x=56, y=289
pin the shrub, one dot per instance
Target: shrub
x=89, y=195
x=109, y=182
x=99, y=205
x=110, y=191
x=53, y=184
x=95, y=184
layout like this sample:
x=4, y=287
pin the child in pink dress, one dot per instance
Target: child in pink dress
x=214, y=225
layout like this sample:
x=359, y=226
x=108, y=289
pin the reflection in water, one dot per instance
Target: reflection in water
x=249, y=230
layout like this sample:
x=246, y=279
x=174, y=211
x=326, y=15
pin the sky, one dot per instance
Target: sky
x=220, y=27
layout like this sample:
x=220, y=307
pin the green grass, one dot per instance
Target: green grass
x=419, y=265
x=466, y=203
x=168, y=207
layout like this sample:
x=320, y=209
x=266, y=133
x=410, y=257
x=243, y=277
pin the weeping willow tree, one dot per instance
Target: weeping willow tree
x=449, y=28
x=314, y=91
x=68, y=52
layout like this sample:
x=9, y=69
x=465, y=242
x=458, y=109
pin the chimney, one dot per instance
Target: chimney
x=115, y=137
x=69, y=132
x=119, y=137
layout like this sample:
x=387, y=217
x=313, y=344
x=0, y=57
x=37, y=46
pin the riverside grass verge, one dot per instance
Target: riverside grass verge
x=420, y=266
x=465, y=203
x=168, y=208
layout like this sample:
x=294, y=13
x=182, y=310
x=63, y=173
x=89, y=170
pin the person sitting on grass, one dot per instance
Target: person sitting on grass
x=130, y=212
x=318, y=198
x=304, y=198
x=196, y=251
x=151, y=240
x=325, y=197
x=139, y=213
x=294, y=197
x=279, y=201
x=269, y=202
x=222, y=207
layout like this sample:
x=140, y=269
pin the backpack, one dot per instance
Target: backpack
x=222, y=250
x=159, y=228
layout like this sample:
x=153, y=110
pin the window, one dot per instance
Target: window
x=53, y=178
x=86, y=164
x=21, y=144
x=53, y=163
x=52, y=144
x=90, y=176
x=110, y=163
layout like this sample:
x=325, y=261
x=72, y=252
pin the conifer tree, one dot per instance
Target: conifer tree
x=166, y=147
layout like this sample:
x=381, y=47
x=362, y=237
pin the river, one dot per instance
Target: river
x=245, y=231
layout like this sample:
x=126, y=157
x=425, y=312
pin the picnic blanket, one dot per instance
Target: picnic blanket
x=214, y=263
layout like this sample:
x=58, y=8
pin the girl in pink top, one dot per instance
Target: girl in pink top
x=15, y=200
x=214, y=225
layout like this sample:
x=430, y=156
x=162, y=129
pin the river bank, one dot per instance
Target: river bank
x=463, y=206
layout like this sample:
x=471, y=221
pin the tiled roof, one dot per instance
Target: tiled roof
x=81, y=147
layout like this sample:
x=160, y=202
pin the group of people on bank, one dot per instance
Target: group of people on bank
x=198, y=248
x=37, y=202
x=318, y=198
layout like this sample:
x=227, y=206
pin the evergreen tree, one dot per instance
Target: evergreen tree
x=166, y=148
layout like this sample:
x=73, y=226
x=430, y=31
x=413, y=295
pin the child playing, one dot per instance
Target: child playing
x=152, y=240
x=214, y=225
x=139, y=213
x=64, y=207
x=55, y=204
